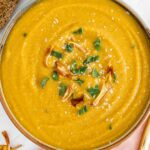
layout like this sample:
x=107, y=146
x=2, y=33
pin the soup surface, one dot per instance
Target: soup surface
x=76, y=73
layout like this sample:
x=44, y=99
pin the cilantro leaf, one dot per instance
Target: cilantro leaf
x=83, y=110
x=93, y=91
x=79, y=81
x=55, y=75
x=62, y=89
x=95, y=73
x=69, y=47
x=78, y=31
x=44, y=81
x=97, y=44
x=56, y=54
x=91, y=59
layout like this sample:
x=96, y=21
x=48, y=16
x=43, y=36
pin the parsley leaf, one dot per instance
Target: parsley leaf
x=62, y=89
x=93, y=91
x=78, y=31
x=82, y=69
x=55, y=75
x=91, y=59
x=79, y=81
x=114, y=77
x=97, y=44
x=44, y=81
x=69, y=47
x=95, y=73
x=73, y=65
x=83, y=110
x=76, y=70
x=56, y=54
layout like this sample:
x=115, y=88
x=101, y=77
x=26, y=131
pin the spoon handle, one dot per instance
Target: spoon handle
x=145, y=142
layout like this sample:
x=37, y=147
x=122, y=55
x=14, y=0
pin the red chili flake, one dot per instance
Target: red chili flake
x=110, y=70
x=76, y=101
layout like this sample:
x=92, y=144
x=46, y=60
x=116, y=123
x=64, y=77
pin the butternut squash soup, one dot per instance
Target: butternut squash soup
x=76, y=73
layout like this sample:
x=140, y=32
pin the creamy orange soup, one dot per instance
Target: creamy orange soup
x=76, y=73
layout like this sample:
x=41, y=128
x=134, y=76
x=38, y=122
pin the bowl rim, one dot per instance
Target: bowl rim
x=23, y=8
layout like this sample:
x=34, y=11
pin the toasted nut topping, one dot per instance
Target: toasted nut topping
x=104, y=90
x=110, y=69
x=47, y=56
x=78, y=46
x=68, y=93
x=62, y=70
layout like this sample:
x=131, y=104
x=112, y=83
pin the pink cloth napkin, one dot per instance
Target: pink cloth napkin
x=133, y=141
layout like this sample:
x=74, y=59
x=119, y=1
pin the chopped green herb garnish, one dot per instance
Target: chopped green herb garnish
x=56, y=54
x=44, y=81
x=97, y=44
x=93, y=91
x=79, y=81
x=73, y=65
x=55, y=75
x=62, y=89
x=69, y=47
x=91, y=59
x=95, y=73
x=80, y=70
x=25, y=34
x=75, y=70
x=110, y=126
x=114, y=77
x=78, y=31
x=83, y=110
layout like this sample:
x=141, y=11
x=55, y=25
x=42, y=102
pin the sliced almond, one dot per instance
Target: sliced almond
x=78, y=46
x=62, y=70
x=68, y=93
x=47, y=56
x=105, y=88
